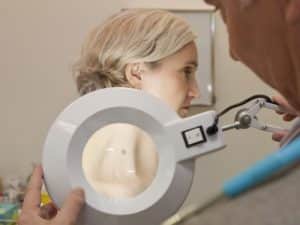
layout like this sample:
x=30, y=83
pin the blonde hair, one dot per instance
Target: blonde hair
x=131, y=36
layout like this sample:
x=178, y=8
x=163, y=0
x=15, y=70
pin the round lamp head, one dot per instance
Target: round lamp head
x=178, y=141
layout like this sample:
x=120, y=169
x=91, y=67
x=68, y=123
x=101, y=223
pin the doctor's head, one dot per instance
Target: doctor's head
x=265, y=36
x=151, y=50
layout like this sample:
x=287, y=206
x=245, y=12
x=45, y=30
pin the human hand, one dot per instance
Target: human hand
x=288, y=114
x=32, y=214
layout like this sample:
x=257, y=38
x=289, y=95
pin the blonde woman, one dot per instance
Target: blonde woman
x=150, y=50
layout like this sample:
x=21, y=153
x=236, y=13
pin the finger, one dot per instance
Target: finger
x=283, y=103
x=48, y=211
x=288, y=117
x=72, y=206
x=278, y=136
x=33, y=196
x=279, y=112
x=279, y=99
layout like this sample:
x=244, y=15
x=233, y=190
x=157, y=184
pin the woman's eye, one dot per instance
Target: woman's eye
x=189, y=73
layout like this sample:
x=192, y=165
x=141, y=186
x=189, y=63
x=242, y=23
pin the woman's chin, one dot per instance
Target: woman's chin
x=183, y=112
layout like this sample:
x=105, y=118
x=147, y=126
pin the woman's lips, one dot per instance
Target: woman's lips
x=185, y=107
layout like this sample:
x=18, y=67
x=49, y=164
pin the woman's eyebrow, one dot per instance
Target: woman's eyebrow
x=194, y=63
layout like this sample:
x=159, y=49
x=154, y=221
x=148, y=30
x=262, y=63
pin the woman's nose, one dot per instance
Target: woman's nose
x=212, y=2
x=194, y=91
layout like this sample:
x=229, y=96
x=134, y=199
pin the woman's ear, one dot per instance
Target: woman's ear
x=133, y=73
x=293, y=12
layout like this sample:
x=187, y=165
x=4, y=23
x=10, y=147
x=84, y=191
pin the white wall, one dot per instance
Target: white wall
x=39, y=40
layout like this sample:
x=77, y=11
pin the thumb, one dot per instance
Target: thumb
x=71, y=207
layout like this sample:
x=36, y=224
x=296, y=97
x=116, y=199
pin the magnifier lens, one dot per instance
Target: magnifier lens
x=120, y=160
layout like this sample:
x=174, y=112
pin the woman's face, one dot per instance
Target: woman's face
x=173, y=80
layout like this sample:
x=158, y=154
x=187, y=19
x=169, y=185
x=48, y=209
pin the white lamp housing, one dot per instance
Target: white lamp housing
x=179, y=141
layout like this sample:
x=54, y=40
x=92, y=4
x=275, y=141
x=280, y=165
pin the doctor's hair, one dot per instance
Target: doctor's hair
x=131, y=36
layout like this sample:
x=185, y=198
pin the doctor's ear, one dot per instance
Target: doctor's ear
x=292, y=12
x=134, y=74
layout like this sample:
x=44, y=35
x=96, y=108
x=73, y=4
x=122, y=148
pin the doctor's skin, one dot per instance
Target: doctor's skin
x=265, y=36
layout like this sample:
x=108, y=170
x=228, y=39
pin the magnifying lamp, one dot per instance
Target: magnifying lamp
x=178, y=142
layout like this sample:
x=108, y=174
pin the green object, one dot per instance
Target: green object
x=8, y=213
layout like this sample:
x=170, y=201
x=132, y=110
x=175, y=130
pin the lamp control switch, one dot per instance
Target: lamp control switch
x=194, y=136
